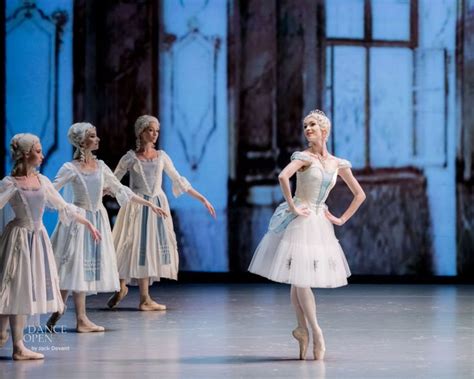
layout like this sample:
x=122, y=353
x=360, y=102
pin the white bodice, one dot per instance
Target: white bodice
x=146, y=177
x=149, y=169
x=35, y=202
x=315, y=182
x=88, y=187
x=28, y=204
x=93, y=183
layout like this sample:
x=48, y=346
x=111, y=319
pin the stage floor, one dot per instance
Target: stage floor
x=244, y=331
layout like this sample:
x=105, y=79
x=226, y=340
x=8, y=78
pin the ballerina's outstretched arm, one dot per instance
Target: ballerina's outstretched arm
x=192, y=192
x=180, y=185
x=123, y=194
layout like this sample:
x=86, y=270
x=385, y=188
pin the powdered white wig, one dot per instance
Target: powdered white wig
x=141, y=124
x=76, y=136
x=20, y=145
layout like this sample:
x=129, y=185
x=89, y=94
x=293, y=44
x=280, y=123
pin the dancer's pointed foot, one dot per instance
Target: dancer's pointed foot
x=21, y=353
x=302, y=336
x=54, y=318
x=87, y=326
x=151, y=305
x=117, y=297
x=319, y=346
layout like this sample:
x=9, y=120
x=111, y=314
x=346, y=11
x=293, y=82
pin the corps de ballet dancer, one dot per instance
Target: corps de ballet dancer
x=300, y=247
x=29, y=282
x=146, y=245
x=86, y=267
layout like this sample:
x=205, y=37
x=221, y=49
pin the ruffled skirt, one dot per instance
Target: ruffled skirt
x=302, y=251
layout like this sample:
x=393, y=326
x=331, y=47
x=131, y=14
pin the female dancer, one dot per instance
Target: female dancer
x=86, y=267
x=146, y=246
x=300, y=247
x=28, y=277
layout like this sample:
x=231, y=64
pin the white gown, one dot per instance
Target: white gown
x=29, y=281
x=304, y=251
x=146, y=243
x=83, y=264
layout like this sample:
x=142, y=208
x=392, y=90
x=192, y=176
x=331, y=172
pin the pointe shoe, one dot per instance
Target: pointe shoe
x=319, y=348
x=318, y=352
x=54, y=318
x=116, y=298
x=152, y=306
x=26, y=355
x=302, y=336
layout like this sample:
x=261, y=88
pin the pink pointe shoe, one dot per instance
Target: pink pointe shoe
x=302, y=336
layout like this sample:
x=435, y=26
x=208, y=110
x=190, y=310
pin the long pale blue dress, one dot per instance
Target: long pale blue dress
x=29, y=282
x=146, y=243
x=85, y=265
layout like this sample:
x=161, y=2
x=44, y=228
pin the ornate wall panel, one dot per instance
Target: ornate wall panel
x=38, y=68
x=193, y=114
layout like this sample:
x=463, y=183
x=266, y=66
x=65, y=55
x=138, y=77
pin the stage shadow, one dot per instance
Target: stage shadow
x=123, y=309
x=236, y=359
x=126, y=310
x=31, y=363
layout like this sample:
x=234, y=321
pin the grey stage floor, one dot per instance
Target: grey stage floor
x=243, y=331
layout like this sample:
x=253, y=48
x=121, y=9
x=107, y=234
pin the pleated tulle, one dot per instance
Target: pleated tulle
x=305, y=254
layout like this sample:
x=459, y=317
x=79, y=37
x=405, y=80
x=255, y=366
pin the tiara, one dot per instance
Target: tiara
x=317, y=112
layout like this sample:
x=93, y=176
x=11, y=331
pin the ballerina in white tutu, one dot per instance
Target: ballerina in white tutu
x=300, y=247
x=86, y=267
x=28, y=276
x=146, y=245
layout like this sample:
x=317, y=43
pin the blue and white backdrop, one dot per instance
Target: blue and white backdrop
x=391, y=96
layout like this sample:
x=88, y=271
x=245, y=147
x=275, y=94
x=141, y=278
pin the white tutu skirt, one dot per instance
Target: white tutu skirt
x=145, y=243
x=302, y=251
x=83, y=264
x=28, y=277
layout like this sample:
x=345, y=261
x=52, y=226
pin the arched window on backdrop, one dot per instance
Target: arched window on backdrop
x=383, y=71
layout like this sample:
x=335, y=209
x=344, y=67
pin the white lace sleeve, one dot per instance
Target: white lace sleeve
x=67, y=212
x=122, y=193
x=179, y=183
x=64, y=176
x=123, y=165
x=7, y=190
